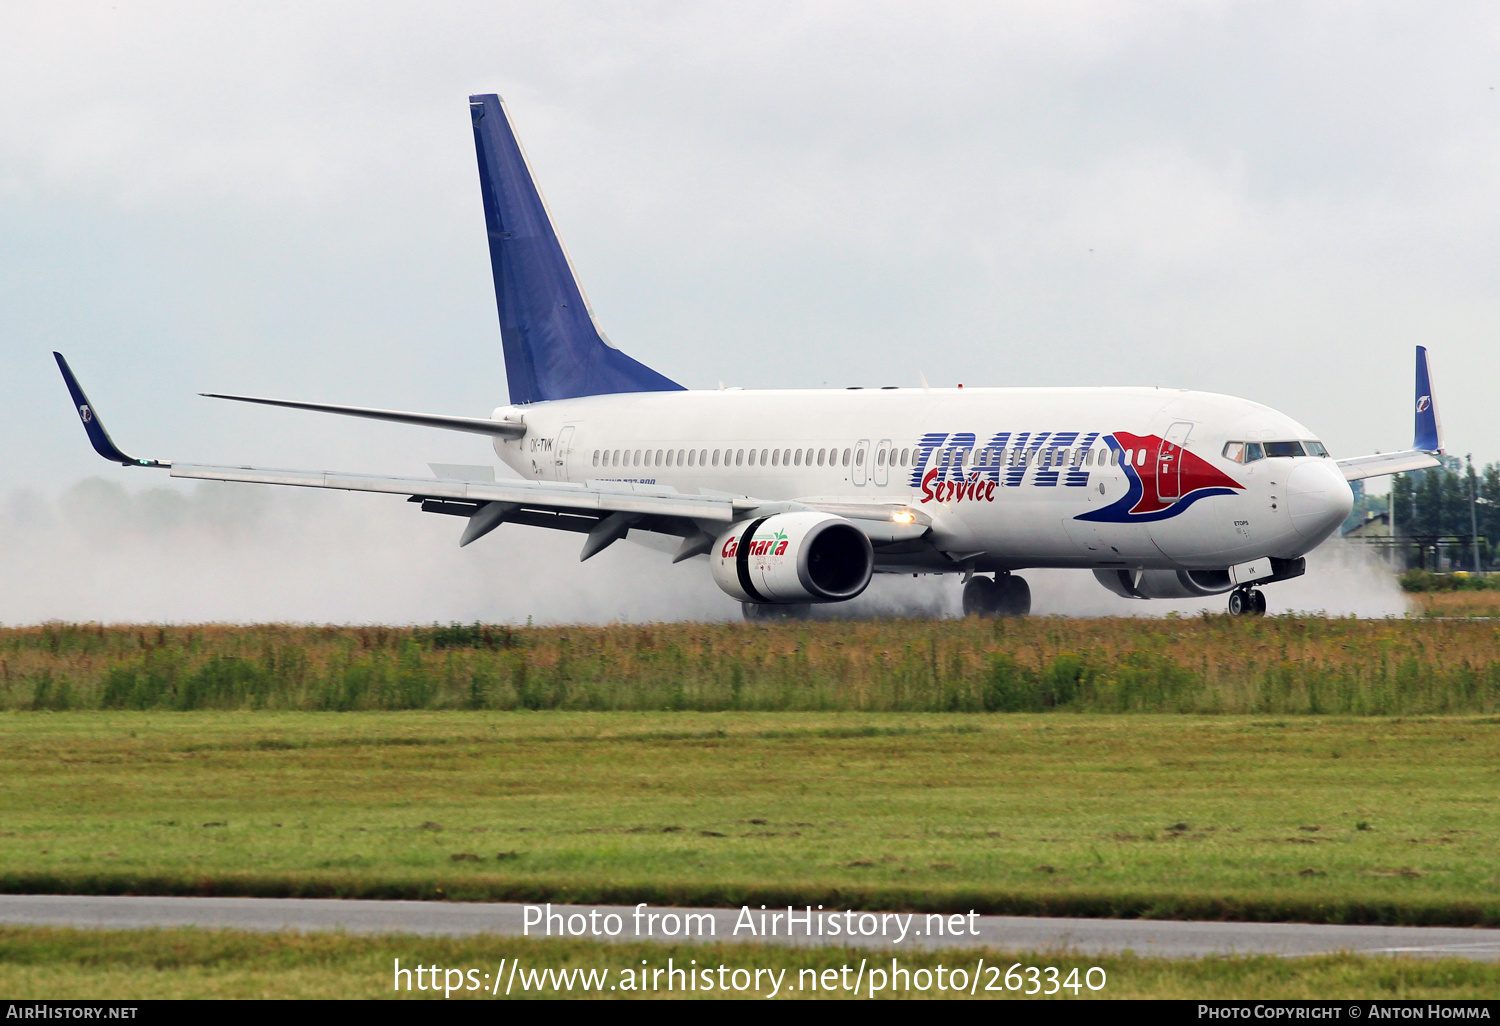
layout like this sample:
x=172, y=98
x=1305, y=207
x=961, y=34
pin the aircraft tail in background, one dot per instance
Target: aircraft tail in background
x=553, y=347
x=1429, y=433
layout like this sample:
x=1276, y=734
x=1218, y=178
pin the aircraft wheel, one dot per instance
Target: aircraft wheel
x=1258, y=597
x=1240, y=603
x=981, y=597
x=1015, y=596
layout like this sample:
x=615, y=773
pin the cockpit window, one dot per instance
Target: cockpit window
x=1249, y=452
x=1244, y=452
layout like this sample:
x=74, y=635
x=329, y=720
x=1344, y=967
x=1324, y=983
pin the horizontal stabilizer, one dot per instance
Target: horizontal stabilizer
x=474, y=425
x=531, y=494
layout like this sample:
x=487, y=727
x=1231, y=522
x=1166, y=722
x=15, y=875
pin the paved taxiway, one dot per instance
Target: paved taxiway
x=1160, y=938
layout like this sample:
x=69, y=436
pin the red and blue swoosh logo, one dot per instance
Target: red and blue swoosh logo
x=1168, y=481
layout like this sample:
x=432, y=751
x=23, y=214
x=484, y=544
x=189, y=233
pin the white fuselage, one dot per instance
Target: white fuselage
x=1004, y=473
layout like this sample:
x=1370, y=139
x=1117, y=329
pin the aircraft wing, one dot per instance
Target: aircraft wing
x=1383, y=463
x=1427, y=437
x=604, y=510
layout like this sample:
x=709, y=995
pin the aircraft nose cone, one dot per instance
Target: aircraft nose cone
x=1318, y=498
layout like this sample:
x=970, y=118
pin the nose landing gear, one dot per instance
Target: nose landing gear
x=1247, y=602
x=1002, y=595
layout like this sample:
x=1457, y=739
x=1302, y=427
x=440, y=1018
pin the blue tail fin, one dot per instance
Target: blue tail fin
x=1429, y=436
x=553, y=348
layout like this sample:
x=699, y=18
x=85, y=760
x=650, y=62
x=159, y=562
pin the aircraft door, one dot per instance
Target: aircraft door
x=883, y=454
x=559, y=463
x=859, y=470
x=1169, y=461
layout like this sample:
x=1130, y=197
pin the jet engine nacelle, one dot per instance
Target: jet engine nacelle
x=1165, y=584
x=793, y=557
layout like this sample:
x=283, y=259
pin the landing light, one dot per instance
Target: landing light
x=903, y=516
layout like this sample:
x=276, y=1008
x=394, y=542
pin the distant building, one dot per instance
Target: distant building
x=1374, y=525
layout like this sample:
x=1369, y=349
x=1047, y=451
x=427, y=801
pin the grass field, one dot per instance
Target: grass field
x=1311, y=818
x=1455, y=603
x=1208, y=664
x=124, y=965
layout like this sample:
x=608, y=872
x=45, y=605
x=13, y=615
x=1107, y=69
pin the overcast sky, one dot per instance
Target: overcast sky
x=1274, y=200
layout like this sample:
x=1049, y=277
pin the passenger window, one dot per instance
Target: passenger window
x=703, y=457
x=797, y=458
x=880, y=458
x=763, y=454
x=1140, y=457
x=596, y=457
x=716, y=457
x=691, y=454
x=739, y=458
x=658, y=457
x=821, y=453
x=904, y=454
x=647, y=461
x=680, y=455
x=752, y=457
x=775, y=457
x=860, y=459
x=670, y=454
x=846, y=456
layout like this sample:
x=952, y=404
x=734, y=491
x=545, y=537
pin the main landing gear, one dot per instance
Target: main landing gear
x=1247, y=602
x=1001, y=595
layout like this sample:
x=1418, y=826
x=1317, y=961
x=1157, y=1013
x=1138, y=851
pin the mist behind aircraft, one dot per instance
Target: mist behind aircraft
x=237, y=553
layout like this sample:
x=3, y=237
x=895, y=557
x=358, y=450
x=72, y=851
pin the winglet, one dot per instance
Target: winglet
x=98, y=437
x=1429, y=432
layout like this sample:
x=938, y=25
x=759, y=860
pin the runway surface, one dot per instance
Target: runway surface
x=1160, y=938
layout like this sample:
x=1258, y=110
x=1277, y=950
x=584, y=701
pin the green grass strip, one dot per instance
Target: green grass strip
x=46, y=963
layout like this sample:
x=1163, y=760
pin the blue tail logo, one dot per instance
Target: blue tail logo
x=553, y=348
x=1428, y=433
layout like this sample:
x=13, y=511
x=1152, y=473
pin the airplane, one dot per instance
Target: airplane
x=797, y=497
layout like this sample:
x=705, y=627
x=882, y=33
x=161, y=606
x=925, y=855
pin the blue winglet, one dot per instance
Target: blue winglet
x=98, y=437
x=553, y=348
x=1429, y=436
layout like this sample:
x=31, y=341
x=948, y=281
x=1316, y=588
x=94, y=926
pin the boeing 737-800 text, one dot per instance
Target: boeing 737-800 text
x=799, y=496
